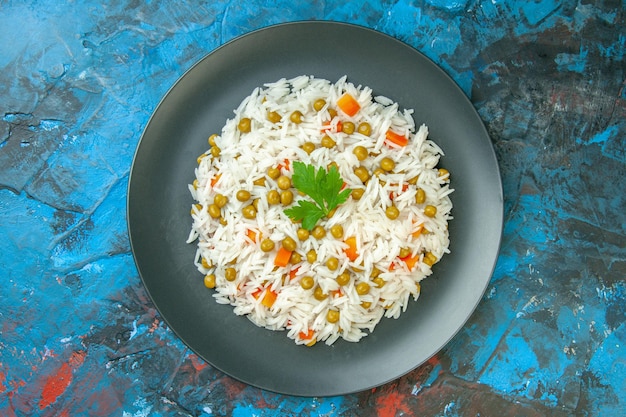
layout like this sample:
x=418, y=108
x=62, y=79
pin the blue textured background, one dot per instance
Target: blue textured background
x=78, y=82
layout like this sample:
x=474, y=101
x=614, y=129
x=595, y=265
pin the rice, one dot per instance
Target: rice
x=229, y=252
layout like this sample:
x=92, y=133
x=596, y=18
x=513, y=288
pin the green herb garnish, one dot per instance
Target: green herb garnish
x=322, y=186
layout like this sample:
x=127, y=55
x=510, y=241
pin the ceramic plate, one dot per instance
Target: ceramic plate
x=159, y=202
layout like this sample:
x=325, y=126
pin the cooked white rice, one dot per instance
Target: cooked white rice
x=225, y=242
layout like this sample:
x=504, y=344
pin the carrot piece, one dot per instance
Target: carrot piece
x=418, y=232
x=351, y=250
x=396, y=138
x=328, y=127
x=293, y=272
x=348, y=104
x=394, y=194
x=282, y=257
x=251, y=235
x=269, y=298
x=308, y=335
x=215, y=179
x=285, y=165
x=410, y=261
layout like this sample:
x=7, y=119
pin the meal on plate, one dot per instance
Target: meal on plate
x=319, y=209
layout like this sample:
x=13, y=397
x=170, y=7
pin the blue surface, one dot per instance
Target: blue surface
x=78, y=334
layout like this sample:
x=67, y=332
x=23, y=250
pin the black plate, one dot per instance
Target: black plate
x=159, y=203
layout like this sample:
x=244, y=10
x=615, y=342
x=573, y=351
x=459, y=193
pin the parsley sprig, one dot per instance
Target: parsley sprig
x=324, y=188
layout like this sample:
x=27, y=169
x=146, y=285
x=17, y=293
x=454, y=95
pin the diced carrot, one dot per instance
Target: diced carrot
x=282, y=257
x=337, y=293
x=396, y=138
x=348, y=104
x=417, y=233
x=410, y=261
x=215, y=179
x=252, y=235
x=328, y=127
x=394, y=194
x=308, y=335
x=269, y=299
x=285, y=165
x=351, y=250
x=293, y=272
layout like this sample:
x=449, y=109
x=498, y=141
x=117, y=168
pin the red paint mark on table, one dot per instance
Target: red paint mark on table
x=390, y=403
x=398, y=399
x=197, y=364
x=3, y=379
x=57, y=383
x=261, y=403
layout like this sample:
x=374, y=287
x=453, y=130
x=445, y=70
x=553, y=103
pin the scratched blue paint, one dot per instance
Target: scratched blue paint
x=572, y=62
x=246, y=15
x=536, y=15
x=604, y=136
x=32, y=226
x=527, y=366
x=519, y=359
x=536, y=11
x=105, y=276
x=437, y=38
x=449, y=5
x=433, y=375
x=489, y=9
x=108, y=222
x=609, y=368
x=327, y=407
x=615, y=50
x=473, y=345
x=529, y=221
x=434, y=36
x=72, y=181
x=27, y=150
x=505, y=266
x=611, y=141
